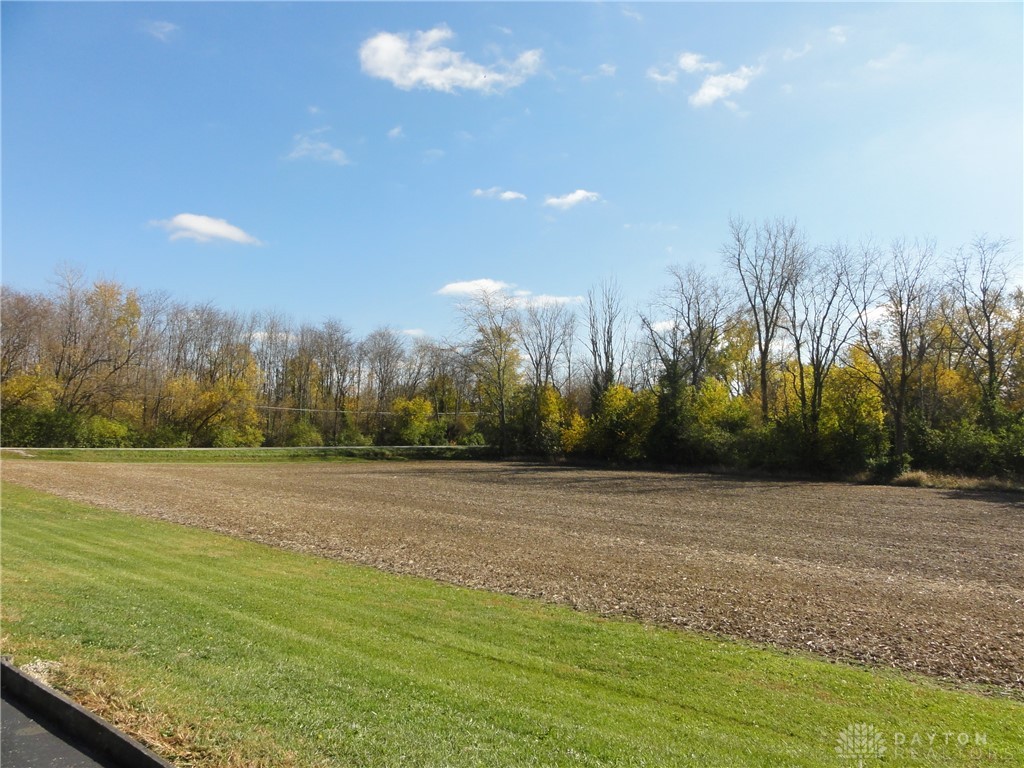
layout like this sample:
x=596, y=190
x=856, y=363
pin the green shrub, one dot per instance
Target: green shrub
x=472, y=438
x=40, y=428
x=621, y=424
x=303, y=433
x=101, y=432
x=413, y=420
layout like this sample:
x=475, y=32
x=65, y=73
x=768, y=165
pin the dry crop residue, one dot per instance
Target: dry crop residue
x=923, y=580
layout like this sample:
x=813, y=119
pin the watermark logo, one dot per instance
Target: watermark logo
x=865, y=743
x=861, y=742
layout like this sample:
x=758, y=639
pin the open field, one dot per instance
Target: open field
x=220, y=652
x=251, y=455
x=917, y=579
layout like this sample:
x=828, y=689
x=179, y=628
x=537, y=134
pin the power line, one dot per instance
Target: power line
x=362, y=413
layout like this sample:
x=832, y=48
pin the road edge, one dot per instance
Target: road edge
x=75, y=720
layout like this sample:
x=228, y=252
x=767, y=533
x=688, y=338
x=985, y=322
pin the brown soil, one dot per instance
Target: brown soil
x=924, y=580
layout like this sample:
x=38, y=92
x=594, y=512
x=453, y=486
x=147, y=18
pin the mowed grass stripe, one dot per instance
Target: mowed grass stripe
x=439, y=641
x=345, y=665
x=521, y=668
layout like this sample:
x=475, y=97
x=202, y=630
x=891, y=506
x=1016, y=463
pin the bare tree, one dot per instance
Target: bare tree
x=819, y=321
x=335, y=350
x=767, y=258
x=895, y=299
x=303, y=370
x=384, y=354
x=149, y=374
x=413, y=375
x=272, y=341
x=979, y=315
x=546, y=328
x=606, y=337
x=24, y=317
x=693, y=314
x=448, y=385
x=93, y=343
x=492, y=355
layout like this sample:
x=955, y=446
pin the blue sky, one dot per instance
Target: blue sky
x=352, y=160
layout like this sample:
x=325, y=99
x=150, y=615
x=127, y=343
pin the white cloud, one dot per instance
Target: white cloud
x=895, y=57
x=603, y=70
x=419, y=60
x=308, y=145
x=790, y=55
x=161, y=30
x=662, y=78
x=546, y=300
x=473, y=287
x=520, y=298
x=203, y=229
x=695, y=62
x=498, y=193
x=432, y=155
x=415, y=333
x=663, y=326
x=629, y=13
x=529, y=299
x=313, y=109
x=687, y=61
x=565, y=202
x=717, y=87
x=838, y=34
x=396, y=132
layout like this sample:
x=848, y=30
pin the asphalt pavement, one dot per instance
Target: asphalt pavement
x=29, y=741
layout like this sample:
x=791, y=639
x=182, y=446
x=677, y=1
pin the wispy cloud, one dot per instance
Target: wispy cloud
x=695, y=62
x=309, y=146
x=473, y=287
x=891, y=60
x=662, y=78
x=719, y=87
x=432, y=155
x=204, y=229
x=715, y=87
x=519, y=297
x=419, y=60
x=497, y=193
x=837, y=34
x=603, y=70
x=565, y=202
x=688, y=62
x=161, y=30
x=396, y=132
x=415, y=333
x=792, y=55
x=545, y=300
x=629, y=13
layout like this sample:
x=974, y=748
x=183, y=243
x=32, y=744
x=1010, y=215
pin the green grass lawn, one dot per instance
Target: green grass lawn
x=226, y=652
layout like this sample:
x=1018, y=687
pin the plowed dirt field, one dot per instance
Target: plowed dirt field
x=923, y=580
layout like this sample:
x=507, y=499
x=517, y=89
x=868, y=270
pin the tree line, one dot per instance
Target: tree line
x=790, y=355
